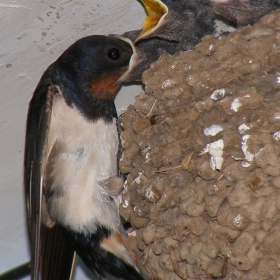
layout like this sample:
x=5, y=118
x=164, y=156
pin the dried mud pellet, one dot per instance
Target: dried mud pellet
x=195, y=210
x=239, y=195
x=152, y=194
x=273, y=170
x=235, y=172
x=270, y=243
x=140, y=124
x=149, y=234
x=169, y=242
x=140, y=243
x=243, y=243
x=199, y=197
x=139, y=222
x=216, y=267
x=165, y=262
x=144, y=104
x=277, y=202
x=241, y=262
x=184, y=250
x=260, y=235
x=157, y=246
x=267, y=156
x=255, y=209
x=132, y=241
x=175, y=265
x=254, y=253
x=212, y=205
x=194, y=251
x=276, y=182
x=210, y=249
x=265, y=191
x=236, y=219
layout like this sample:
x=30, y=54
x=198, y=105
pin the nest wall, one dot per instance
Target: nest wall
x=202, y=154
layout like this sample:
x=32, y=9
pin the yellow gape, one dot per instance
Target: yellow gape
x=156, y=11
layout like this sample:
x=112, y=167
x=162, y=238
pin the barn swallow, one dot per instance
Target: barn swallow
x=70, y=167
x=174, y=19
x=244, y=12
x=173, y=26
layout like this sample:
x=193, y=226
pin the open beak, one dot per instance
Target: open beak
x=156, y=12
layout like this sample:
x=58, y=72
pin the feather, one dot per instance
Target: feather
x=38, y=122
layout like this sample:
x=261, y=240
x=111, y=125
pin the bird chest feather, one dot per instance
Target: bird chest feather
x=81, y=155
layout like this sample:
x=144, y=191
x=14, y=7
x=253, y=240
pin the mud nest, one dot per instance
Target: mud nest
x=202, y=154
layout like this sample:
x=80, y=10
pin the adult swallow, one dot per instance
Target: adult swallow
x=173, y=26
x=70, y=167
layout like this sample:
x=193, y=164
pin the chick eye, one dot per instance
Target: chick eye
x=114, y=53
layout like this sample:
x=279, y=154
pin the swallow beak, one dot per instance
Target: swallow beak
x=156, y=11
x=134, y=60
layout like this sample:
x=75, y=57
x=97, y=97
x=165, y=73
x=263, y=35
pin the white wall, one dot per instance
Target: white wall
x=33, y=34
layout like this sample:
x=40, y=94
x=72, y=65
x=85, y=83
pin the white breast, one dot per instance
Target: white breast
x=87, y=155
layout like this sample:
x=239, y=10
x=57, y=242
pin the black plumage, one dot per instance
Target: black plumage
x=70, y=166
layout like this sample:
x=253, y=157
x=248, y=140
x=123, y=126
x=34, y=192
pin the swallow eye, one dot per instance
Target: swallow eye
x=114, y=54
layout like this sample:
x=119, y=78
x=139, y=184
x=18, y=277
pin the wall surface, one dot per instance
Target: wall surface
x=33, y=34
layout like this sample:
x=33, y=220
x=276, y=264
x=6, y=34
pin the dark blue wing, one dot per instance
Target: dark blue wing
x=52, y=255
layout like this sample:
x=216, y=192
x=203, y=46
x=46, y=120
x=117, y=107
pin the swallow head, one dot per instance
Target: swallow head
x=88, y=71
x=96, y=63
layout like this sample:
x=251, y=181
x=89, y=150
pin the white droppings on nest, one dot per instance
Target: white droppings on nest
x=147, y=157
x=238, y=221
x=150, y=194
x=187, y=67
x=137, y=210
x=213, y=189
x=248, y=156
x=133, y=233
x=243, y=128
x=125, y=203
x=125, y=186
x=218, y=94
x=276, y=116
x=215, y=150
x=235, y=104
x=138, y=178
x=213, y=130
x=147, y=154
x=168, y=83
x=122, y=140
x=278, y=80
x=276, y=135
